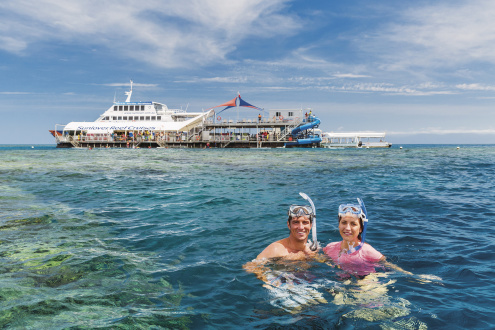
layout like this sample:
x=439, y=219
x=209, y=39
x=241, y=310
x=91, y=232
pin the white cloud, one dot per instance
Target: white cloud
x=12, y=45
x=475, y=87
x=386, y=89
x=440, y=131
x=440, y=35
x=16, y=93
x=129, y=84
x=164, y=33
x=350, y=75
x=227, y=80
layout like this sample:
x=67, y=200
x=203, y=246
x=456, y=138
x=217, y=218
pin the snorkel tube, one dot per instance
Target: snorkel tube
x=365, y=224
x=314, y=243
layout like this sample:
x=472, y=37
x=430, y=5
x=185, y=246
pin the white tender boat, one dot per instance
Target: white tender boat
x=354, y=140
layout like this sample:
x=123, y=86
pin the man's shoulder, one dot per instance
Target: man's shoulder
x=276, y=249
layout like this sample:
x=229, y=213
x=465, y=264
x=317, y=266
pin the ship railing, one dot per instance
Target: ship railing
x=173, y=137
x=273, y=119
x=73, y=141
x=288, y=130
x=61, y=138
x=241, y=138
x=118, y=139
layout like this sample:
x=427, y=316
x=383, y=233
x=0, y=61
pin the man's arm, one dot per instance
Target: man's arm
x=257, y=266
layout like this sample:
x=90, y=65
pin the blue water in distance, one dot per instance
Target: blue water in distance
x=156, y=238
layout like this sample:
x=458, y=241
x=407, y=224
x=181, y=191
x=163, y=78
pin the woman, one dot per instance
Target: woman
x=352, y=254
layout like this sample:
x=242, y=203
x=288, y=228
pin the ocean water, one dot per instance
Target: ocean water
x=156, y=238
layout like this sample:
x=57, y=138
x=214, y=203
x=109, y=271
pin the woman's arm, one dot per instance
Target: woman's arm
x=422, y=278
x=388, y=264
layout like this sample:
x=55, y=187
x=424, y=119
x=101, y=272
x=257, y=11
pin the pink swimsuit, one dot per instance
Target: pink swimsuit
x=361, y=262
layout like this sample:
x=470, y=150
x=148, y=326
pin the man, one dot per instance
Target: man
x=291, y=248
x=294, y=247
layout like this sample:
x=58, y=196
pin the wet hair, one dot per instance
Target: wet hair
x=360, y=223
x=310, y=219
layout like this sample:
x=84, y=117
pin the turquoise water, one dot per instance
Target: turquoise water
x=156, y=238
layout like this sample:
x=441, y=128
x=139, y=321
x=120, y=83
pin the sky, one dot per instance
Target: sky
x=421, y=71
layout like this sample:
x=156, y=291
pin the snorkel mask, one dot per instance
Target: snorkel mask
x=301, y=211
x=306, y=211
x=360, y=211
x=351, y=208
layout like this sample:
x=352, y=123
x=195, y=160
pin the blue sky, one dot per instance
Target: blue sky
x=422, y=71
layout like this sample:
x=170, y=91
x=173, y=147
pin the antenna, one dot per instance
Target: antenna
x=129, y=93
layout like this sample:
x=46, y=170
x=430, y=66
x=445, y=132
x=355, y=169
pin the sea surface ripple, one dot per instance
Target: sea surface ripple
x=156, y=238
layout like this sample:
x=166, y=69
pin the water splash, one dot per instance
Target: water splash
x=351, y=249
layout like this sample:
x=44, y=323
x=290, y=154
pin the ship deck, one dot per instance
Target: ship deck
x=226, y=134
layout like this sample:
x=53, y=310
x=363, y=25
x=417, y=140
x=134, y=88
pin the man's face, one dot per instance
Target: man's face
x=299, y=228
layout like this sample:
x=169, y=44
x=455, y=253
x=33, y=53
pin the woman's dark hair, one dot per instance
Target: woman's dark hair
x=360, y=223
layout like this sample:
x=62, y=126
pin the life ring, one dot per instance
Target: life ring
x=219, y=118
x=281, y=117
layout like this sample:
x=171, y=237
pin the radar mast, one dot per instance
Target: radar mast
x=129, y=93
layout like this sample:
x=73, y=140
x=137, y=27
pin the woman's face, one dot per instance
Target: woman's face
x=350, y=228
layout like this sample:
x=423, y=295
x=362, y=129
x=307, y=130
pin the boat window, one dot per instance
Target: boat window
x=278, y=114
x=126, y=107
x=291, y=114
x=141, y=118
x=142, y=108
x=147, y=117
x=153, y=118
x=125, y=117
x=115, y=107
x=136, y=118
x=131, y=108
x=120, y=108
x=158, y=117
x=114, y=118
x=120, y=118
x=107, y=118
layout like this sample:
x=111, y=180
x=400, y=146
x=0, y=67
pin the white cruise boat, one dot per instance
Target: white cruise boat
x=354, y=140
x=129, y=123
